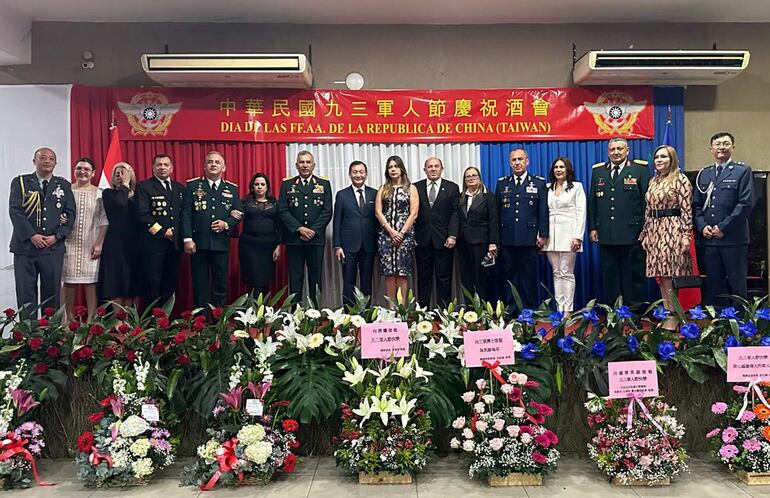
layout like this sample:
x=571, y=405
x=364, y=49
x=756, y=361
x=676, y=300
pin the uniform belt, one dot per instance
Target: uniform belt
x=665, y=213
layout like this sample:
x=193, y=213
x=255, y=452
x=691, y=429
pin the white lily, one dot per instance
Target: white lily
x=384, y=405
x=247, y=318
x=385, y=315
x=405, y=369
x=364, y=410
x=461, y=354
x=358, y=374
x=265, y=350
x=302, y=343
x=403, y=408
x=381, y=374
x=357, y=320
x=436, y=348
x=339, y=341
x=450, y=331
x=299, y=313
x=289, y=332
x=270, y=314
x=339, y=317
x=420, y=373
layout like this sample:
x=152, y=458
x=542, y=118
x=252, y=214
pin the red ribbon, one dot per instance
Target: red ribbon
x=13, y=445
x=492, y=367
x=226, y=460
x=95, y=458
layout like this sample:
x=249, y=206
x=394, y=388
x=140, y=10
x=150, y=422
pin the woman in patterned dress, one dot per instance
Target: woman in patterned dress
x=84, y=245
x=667, y=225
x=396, y=207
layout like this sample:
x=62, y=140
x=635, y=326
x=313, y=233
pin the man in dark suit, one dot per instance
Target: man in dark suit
x=211, y=206
x=355, y=232
x=435, y=232
x=305, y=207
x=615, y=219
x=158, y=202
x=42, y=212
x=722, y=201
x=522, y=201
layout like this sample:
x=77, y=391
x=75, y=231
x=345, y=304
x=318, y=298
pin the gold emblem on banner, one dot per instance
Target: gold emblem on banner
x=149, y=113
x=615, y=112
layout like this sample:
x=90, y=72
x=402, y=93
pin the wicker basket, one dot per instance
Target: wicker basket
x=384, y=478
x=638, y=482
x=753, y=478
x=516, y=479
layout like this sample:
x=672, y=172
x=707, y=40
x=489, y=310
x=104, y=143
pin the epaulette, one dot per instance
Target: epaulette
x=641, y=162
x=231, y=183
x=323, y=177
x=193, y=179
x=599, y=165
x=289, y=178
x=739, y=162
x=502, y=178
x=540, y=177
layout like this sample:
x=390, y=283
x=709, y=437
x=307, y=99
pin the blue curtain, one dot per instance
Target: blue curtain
x=584, y=154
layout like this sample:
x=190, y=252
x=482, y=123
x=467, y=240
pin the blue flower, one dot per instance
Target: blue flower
x=661, y=313
x=666, y=350
x=632, y=344
x=566, y=344
x=526, y=316
x=697, y=313
x=556, y=317
x=731, y=342
x=591, y=316
x=748, y=329
x=690, y=331
x=623, y=312
x=542, y=333
x=528, y=351
x=599, y=349
x=729, y=312
x=765, y=340
x=764, y=313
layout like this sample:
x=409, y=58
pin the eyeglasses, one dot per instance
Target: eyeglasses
x=470, y=177
x=722, y=144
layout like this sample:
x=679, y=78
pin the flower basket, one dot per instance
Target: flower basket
x=515, y=479
x=384, y=478
x=617, y=481
x=753, y=478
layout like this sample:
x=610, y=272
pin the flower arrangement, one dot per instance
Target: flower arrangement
x=384, y=431
x=741, y=438
x=129, y=442
x=503, y=431
x=20, y=442
x=636, y=448
x=245, y=445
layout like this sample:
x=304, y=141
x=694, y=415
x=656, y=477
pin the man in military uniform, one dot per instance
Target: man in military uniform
x=159, y=204
x=522, y=200
x=210, y=208
x=305, y=207
x=42, y=211
x=722, y=201
x=615, y=219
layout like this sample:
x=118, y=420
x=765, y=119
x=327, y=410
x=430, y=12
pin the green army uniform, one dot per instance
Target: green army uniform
x=305, y=205
x=616, y=212
x=201, y=205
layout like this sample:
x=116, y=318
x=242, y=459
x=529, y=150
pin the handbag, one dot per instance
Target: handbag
x=686, y=282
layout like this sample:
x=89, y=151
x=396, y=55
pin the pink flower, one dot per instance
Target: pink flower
x=481, y=426
x=719, y=408
x=539, y=458
x=740, y=389
x=728, y=451
x=752, y=445
x=499, y=424
x=496, y=444
x=513, y=430
x=729, y=435
x=748, y=416
x=713, y=433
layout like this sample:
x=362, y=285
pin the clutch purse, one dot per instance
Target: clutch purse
x=686, y=282
x=488, y=261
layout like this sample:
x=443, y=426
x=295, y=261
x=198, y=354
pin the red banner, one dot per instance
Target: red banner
x=383, y=115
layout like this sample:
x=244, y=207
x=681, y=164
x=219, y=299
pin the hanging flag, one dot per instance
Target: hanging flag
x=114, y=156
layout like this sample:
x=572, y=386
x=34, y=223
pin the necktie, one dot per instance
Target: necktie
x=45, y=187
x=615, y=168
x=167, y=184
x=719, y=170
x=361, y=199
x=518, y=181
x=213, y=185
x=432, y=193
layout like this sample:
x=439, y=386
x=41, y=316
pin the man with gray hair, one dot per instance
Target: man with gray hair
x=615, y=219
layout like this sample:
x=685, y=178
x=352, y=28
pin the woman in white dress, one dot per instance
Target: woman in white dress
x=84, y=244
x=567, y=222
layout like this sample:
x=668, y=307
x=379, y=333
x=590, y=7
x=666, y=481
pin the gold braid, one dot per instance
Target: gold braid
x=31, y=203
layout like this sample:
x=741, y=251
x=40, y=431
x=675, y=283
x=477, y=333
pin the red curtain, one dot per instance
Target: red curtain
x=91, y=109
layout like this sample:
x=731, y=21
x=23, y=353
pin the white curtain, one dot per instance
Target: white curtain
x=33, y=116
x=332, y=162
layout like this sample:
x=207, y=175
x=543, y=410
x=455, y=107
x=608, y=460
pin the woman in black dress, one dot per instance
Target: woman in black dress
x=117, y=278
x=259, y=244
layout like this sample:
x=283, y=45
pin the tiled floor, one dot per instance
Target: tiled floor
x=317, y=477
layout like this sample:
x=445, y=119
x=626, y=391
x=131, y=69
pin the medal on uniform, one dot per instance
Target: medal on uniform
x=629, y=181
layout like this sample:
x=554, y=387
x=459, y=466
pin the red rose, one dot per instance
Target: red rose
x=41, y=368
x=96, y=329
x=135, y=332
x=419, y=412
x=198, y=325
x=183, y=359
x=15, y=354
x=289, y=463
x=18, y=336
x=53, y=351
x=86, y=442
x=131, y=356
x=73, y=325
x=95, y=417
x=120, y=314
x=43, y=322
x=86, y=353
x=80, y=310
x=180, y=338
x=123, y=328
x=49, y=310
x=9, y=312
x=158, y=312
x=214, y=347
x=217, y=312
x=158, y=348
x=35, y=343
x=109, y=353
x=107, y=401
x=163, y=322
x=293, y=444
x=100, y=312
x=539, y=458
x=186, y=315
x=290, y=425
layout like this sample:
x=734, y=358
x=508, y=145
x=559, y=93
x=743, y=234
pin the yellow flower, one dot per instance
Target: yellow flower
x=471, y=316
x=425, y=327
x=315, y=340
x=241, y=334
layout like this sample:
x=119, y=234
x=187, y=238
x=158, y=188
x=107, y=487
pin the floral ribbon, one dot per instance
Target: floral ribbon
x=636, y=399
x=226, y=460
x=13, y=445
x=95, y=458
x=492, y=367
x=753, y=387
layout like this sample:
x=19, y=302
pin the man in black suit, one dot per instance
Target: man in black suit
x=435, y=233
x=355, y=232
x=158, y=202
x=42, y=211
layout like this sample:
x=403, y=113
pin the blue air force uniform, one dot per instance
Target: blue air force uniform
x=523, y=208
x=724, y=196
